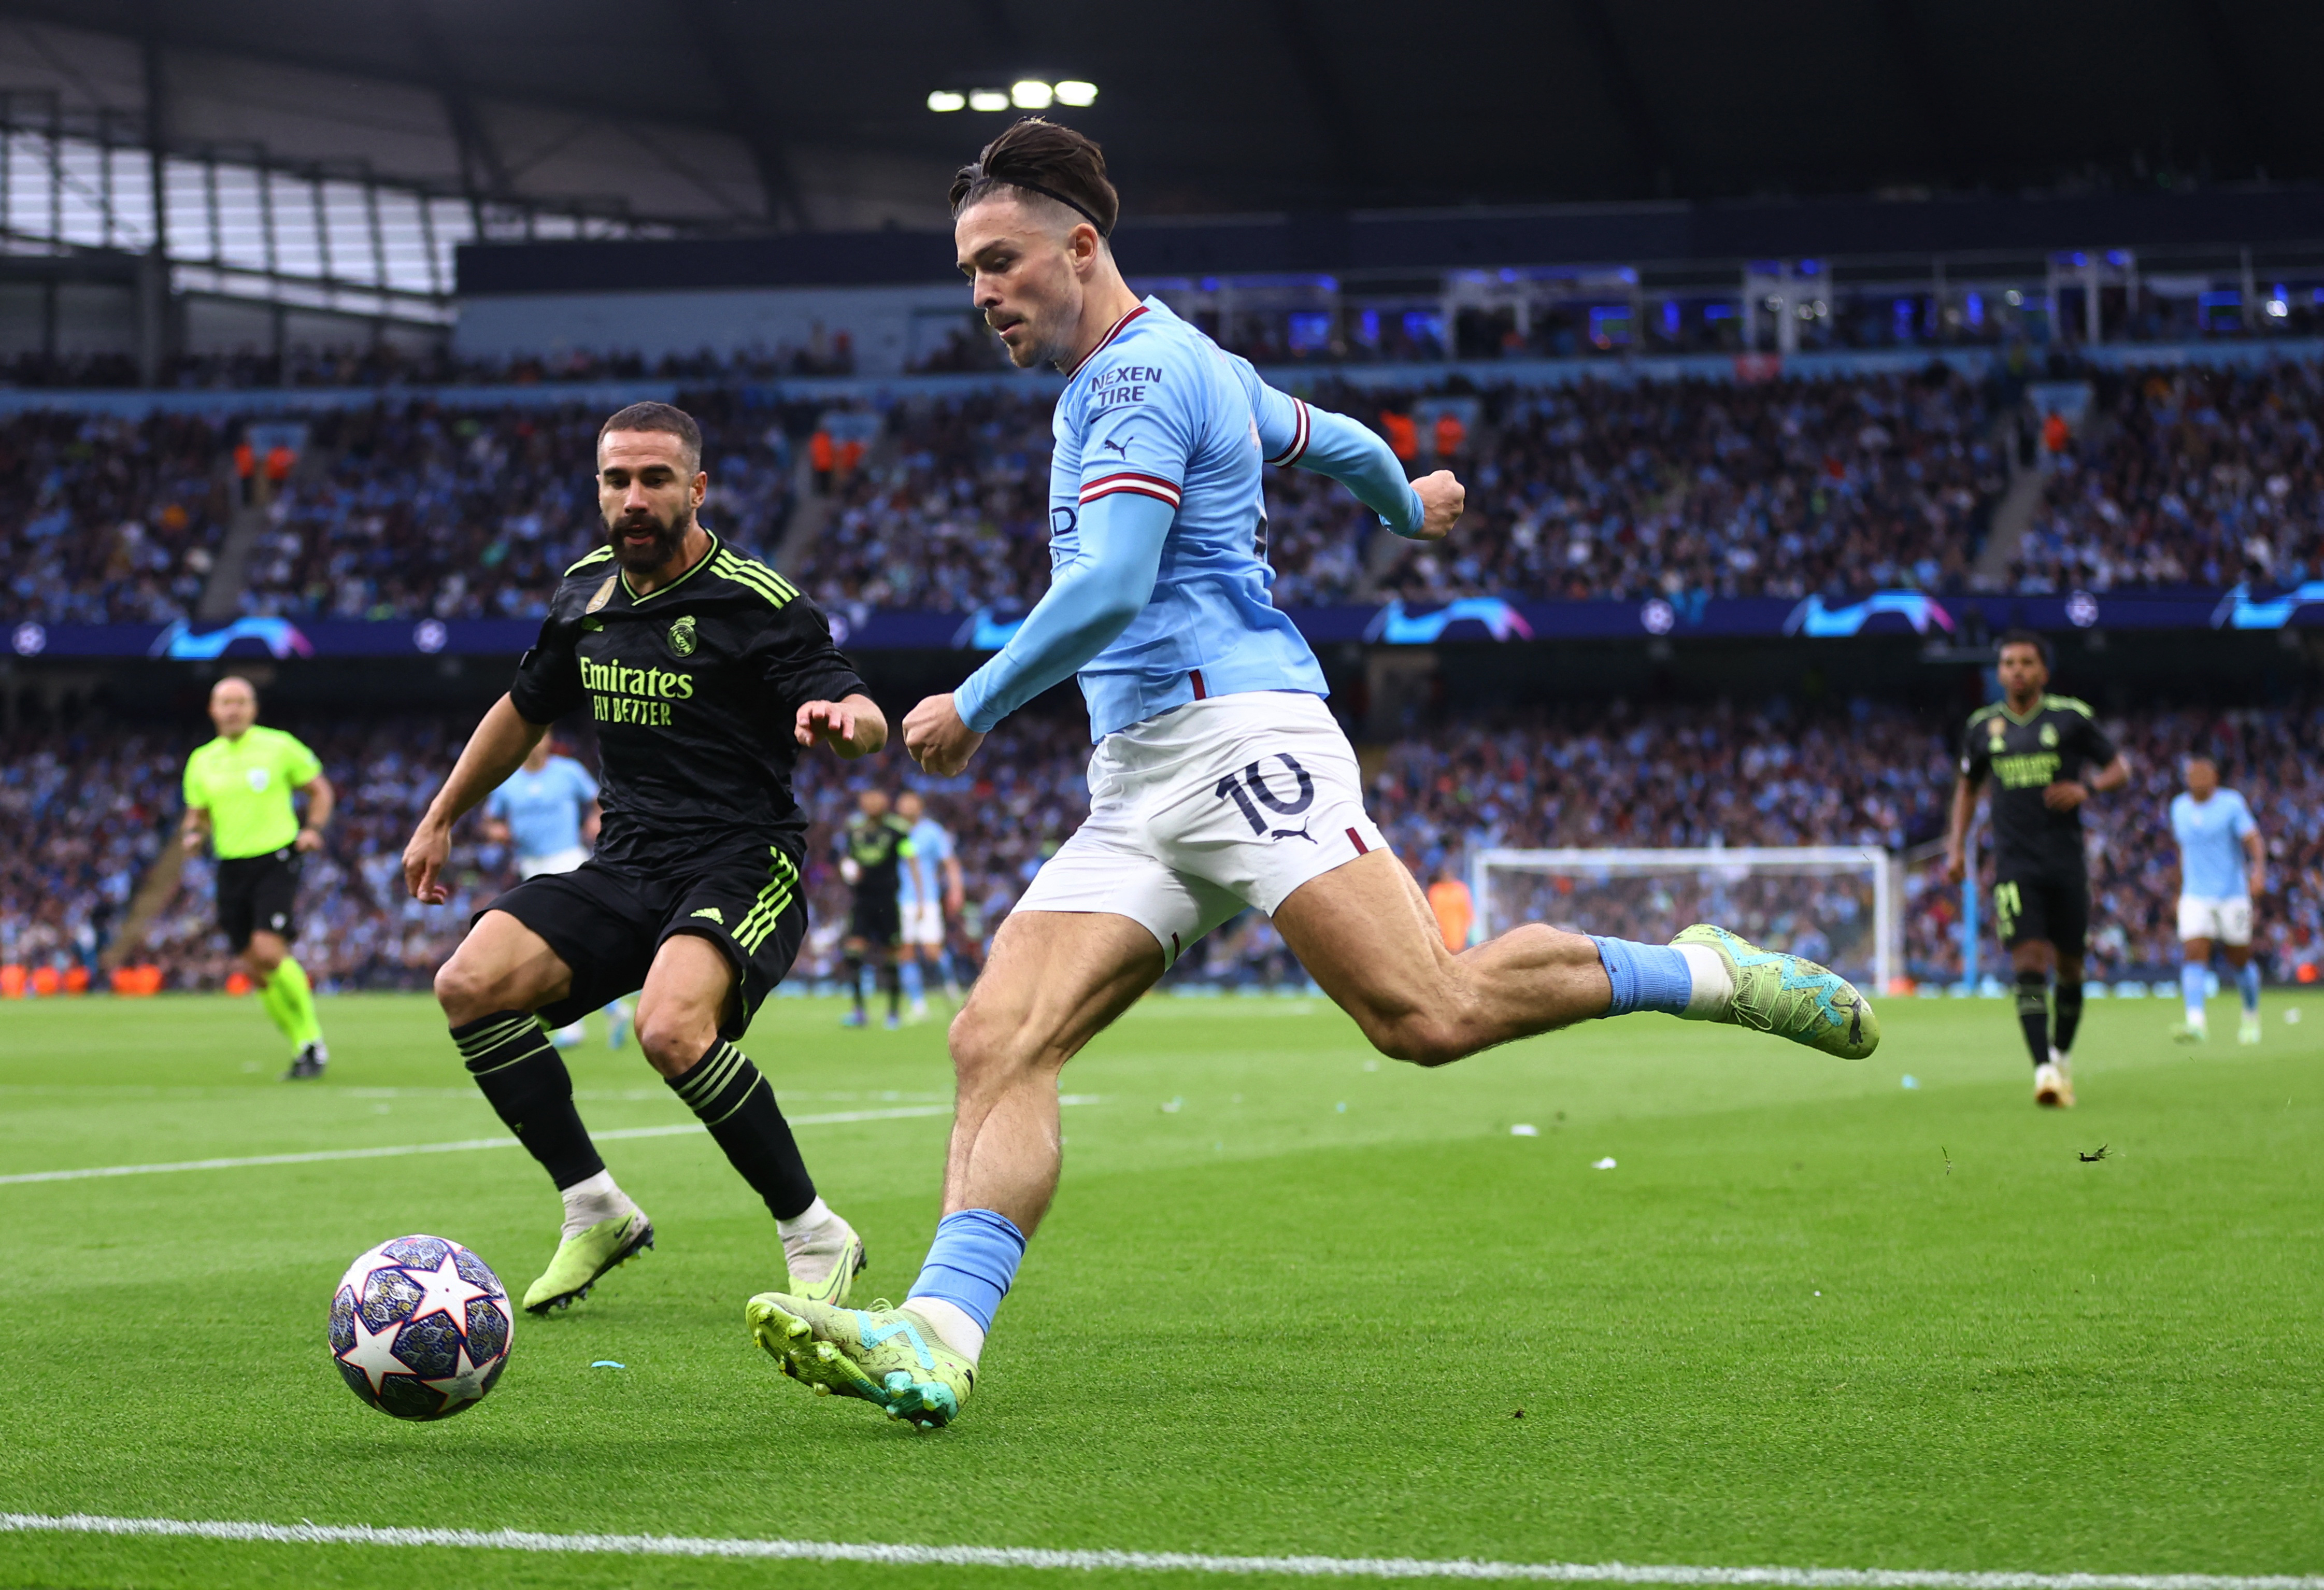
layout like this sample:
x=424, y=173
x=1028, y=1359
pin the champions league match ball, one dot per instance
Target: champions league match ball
x=421, y=1327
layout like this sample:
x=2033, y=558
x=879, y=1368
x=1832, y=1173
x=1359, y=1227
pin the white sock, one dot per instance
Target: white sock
x=812, y=1242
x=953, y=1325
x=587, y=1203
x=1714, y=990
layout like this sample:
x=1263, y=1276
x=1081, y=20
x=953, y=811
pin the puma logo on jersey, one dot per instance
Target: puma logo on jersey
x=713, y=914
x=1119, y=446
x=1298, y=833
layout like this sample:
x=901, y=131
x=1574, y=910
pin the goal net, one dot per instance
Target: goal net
x=1834, y=903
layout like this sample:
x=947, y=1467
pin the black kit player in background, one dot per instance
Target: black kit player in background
x=2038, y=750
x=873, y=852
x=706, y=673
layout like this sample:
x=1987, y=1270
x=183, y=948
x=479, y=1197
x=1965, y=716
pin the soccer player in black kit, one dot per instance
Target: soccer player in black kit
x=871, y=856
x=706, y=673
x=2039, y=751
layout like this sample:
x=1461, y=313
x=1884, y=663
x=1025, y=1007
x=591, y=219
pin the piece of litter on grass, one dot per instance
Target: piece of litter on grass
x=1343, y=1107
x=2094, y=1159
x=1605, y=1164
x=1521, y=1130
x=607, y=1364
x=2291, y=1015
x=1819, y=1294
x=1172, y=1106
x=1910, y=1081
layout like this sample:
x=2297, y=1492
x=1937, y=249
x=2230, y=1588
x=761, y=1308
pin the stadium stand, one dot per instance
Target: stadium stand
x=2189, y=477
x=108, y=520
x=1674, y=776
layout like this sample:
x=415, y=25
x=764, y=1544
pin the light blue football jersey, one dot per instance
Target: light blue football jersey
x=921, y=877
x=1159, y=410
x=544, y=810
x=2212, y=864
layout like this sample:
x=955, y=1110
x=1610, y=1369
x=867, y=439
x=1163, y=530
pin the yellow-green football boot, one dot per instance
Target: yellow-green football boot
x=1790, y=997
x=581, y=1259
x=846, y=1258
x=887, y=1356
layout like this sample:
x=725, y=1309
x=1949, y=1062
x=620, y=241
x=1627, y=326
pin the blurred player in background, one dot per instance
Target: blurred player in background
x=1220, y=779
x=548, y=811
x=2040, y=751
x=238, y=790
x=874, y=850
x=2222, y=869
x=932, y=894
x=706, y=674
x=1456, y=912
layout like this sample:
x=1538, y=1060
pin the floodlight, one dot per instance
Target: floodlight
x=1075, y=92
x=1030, y=94
x=988, y=99
x=945, y=99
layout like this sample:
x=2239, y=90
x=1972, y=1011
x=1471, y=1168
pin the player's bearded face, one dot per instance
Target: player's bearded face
x=645, y=537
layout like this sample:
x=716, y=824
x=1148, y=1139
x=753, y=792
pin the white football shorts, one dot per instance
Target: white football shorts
x=1202, y=810
x=2223, y=921
x=556, y=860
x=924, y=923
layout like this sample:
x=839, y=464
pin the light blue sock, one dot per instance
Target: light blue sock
x=2247, y=983
x=971, y=1263
x=1645, y=977
x=915, y=989
x=2192, y=979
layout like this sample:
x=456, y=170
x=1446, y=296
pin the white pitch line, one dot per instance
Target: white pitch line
x=836, y=1118
x=1151, y=1562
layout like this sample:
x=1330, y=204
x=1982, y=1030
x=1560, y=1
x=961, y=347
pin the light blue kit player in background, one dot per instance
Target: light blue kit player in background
x=2222, y=865
x=548, y=813
x=928, y=890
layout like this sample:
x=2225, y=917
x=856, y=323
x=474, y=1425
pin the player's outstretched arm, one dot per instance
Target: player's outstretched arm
x=1088, y=603
x=1957, y=836
x=1296, y=434
x=497, y=749
x=853, y=727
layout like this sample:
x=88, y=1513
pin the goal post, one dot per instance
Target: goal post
x=1840, y=904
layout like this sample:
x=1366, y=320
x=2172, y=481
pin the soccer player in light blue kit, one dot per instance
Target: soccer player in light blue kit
x=929, y=890
x=1220, y=781
x=2222, y=864
x=547, y=810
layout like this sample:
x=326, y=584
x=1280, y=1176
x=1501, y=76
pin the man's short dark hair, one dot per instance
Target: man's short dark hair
x=2024, y=637
x=664, y=417
x=1054, y=162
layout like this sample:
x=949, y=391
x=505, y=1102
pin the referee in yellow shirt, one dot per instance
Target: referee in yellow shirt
x=238, y=790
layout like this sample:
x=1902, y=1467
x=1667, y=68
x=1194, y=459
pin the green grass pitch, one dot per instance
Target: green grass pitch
x=1291, y=1300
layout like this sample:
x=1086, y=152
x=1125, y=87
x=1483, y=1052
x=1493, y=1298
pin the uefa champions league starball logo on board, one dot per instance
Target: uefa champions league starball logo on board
x=421, y=1327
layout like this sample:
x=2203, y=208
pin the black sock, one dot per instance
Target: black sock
x=891, y=978
x=738, y=1104
x=526, y=1082
x=2070, y=1015
x=854, y=965
x=2033, y=1012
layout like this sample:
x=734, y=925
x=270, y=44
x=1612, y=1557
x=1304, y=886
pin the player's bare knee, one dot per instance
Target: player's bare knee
x=460, y=991
x=673, y=1038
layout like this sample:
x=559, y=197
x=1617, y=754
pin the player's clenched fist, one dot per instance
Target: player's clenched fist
x=1443, y=496
x=937, y=738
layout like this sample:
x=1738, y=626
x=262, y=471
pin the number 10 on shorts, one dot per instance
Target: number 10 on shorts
x=1249, y=791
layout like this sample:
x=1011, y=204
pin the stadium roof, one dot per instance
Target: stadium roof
x=733, y=114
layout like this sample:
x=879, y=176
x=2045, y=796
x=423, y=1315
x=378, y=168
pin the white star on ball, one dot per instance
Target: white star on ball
x=465, y=1385
x=374, y=1353
x=445, y=1290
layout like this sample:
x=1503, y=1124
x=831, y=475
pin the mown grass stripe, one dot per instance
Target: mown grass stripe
x=1157, y=1562
x=321, y=1155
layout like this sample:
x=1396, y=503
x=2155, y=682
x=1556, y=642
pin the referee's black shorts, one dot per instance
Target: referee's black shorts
x=607, y=924
x=2052, y=908
x=256, y=892
x=876, y=918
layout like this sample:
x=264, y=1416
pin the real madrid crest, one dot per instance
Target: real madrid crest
x=2048, y=735
x=604, y=593
x=682, y=636
x=1999, y=734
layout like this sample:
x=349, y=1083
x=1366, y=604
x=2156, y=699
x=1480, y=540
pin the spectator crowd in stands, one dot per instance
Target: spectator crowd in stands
x=107, y=520
x=84, y=812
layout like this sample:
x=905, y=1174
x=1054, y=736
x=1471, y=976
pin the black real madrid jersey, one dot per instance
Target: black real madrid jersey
x=695, y=690
x=2058, y=739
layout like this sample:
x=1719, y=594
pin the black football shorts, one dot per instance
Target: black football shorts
x=2043, y=907
x=876, y=918
x=608, y=924
x=258, y=893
